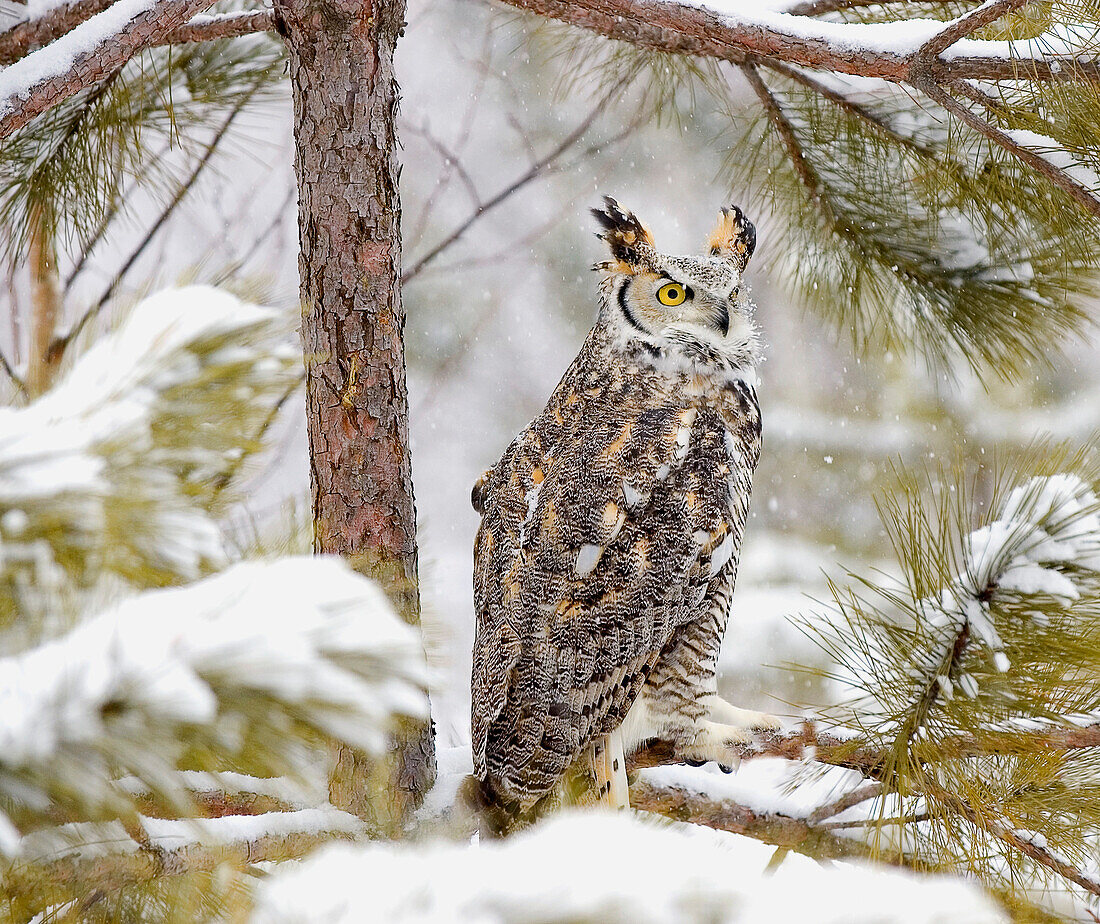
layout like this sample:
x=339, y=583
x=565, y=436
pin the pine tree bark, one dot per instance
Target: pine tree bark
x=345, y=107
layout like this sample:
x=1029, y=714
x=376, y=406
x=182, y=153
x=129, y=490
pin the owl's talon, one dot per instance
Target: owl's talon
x=694, y=763
x=725, y=769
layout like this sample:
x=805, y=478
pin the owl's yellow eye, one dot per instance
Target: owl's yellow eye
x=671, y=294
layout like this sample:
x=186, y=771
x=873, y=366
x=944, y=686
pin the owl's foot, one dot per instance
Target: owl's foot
x=719, y=710
x=725, y=734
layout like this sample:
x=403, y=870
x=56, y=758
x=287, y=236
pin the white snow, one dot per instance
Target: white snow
x=763, y=784
x=305, y=636
x=235, y=829
x=899, y=38
x=1045, y=523
x=608, y=868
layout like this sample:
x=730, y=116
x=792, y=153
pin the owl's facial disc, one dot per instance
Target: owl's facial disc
x=652, y=303
x=687, y=304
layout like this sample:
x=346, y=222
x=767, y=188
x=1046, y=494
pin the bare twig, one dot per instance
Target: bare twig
x=875, y=822
x=451, y=162
x=32, y=34
x=443, y=181
x=34, y=93
x=532, y=173
x=226, y=477
x=987, y=101
x=11, y=373
x=276, y=221
x=845, y=802
x=1037, y=162
x=109, y=215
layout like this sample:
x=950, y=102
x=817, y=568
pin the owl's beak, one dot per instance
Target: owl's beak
x=721, y=319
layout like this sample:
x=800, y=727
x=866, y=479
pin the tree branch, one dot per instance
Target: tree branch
x=1028, y=845
x=1037, y=162
x=806, y=173
x=860, y=112
x=966, y=25
x=115, y=36
x=31, y=34
x=845, y=802
x=772, y=828
x=664, y=25
x=137, y=861
x=807, y=743
x=221, y=25
x=813, y=834
x=535, y=170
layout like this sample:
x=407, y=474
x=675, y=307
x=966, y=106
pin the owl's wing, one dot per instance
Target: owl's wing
x=591, y=553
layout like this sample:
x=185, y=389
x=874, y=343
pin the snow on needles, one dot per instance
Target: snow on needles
x=302, y=638
x=1046, y=535
x=596, y=866
x=115, y=466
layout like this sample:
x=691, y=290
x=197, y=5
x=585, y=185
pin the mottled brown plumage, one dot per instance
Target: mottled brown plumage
x=611, y=526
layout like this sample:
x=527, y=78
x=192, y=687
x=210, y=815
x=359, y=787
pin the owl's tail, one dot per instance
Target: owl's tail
x=609, y=769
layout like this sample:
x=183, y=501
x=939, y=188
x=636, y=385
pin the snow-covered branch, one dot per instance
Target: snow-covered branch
x=107, y=855
x=206, y=27
x=1045, y=541
x=808, y=742
x=1060, y=176
x=735, y=30
x=258, y=653
x=90, y=53
x=39, y=30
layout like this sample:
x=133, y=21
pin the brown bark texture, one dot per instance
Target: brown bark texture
x=345, y=108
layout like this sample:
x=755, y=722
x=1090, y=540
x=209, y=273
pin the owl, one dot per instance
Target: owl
x=611, y=529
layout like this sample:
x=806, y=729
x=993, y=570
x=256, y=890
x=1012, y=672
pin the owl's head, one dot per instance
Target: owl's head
x=686, y=305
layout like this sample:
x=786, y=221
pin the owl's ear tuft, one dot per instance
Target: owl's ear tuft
x=625, y=236
x=734, y=237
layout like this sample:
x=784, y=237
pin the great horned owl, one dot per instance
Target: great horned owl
x=611, y=529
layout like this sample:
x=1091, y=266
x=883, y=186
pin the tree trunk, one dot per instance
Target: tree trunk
x=45, y=306
x=345, y=107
